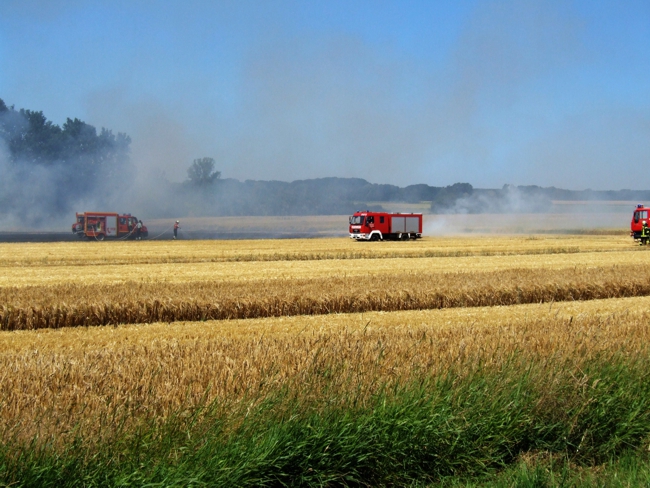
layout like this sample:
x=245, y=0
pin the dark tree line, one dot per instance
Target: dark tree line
x=47, y=168
x=323, y=196
x=47, y=171
x=213, y=196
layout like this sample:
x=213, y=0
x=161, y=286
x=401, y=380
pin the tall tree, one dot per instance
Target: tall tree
x=202, y=173
x=50, y=168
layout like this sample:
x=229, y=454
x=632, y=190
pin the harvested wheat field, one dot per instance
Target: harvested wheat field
x=170, y=252
x=322, y=360
x=111, y=283
x=56, y=379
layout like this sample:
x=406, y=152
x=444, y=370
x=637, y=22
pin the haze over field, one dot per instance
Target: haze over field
x=545, y=93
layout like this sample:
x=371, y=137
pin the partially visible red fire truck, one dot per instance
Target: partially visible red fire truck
x=636, y=226
x=376, y=226
x=99, y=225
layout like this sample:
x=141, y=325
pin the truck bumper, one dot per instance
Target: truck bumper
x=360, y=237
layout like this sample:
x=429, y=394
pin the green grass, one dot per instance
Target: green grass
x=468, y=428
x=631, y=469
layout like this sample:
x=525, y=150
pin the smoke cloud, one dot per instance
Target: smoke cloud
x=502, y=106
x=46, y=172
x=529, y=92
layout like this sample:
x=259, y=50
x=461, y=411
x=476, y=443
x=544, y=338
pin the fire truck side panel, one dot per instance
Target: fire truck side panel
x=397, y=224
x=111, y=226
x=412, y=225
x=93, y=225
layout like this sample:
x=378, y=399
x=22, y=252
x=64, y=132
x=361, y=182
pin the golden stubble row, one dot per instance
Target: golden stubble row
x=100, y=380
x=256, y=270
x=95, y=304
x=78, y=254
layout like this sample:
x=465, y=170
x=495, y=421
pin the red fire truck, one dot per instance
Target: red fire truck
x=638, y=217
x=99, y=225
x=377, y=226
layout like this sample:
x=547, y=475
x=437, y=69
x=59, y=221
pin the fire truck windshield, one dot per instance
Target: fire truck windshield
x=357, y=220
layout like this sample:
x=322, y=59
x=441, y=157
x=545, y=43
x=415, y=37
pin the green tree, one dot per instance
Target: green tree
x=447, y=197
x=201, y=172
x=51, y=168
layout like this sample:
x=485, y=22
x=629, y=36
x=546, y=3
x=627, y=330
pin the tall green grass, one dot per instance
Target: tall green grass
x=546, y=470
x=471, y=423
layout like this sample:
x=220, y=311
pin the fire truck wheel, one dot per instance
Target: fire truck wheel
x=374, y=237
x=100, y=237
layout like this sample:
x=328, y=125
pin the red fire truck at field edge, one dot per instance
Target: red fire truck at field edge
x=639, y=216
x=99, y=225
x=376, y=226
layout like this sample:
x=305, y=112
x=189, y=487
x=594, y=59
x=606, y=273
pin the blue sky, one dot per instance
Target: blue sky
x=403, y=92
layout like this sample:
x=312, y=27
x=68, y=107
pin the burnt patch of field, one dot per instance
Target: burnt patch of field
x=165, y=235
x=37, y=237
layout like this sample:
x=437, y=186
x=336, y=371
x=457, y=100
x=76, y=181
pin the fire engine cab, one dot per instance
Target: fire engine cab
x=636, y=226
x=99, y=225
x=379, y=226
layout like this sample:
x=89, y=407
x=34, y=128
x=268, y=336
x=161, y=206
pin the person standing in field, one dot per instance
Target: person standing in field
x=176, y=227
x=138, y=230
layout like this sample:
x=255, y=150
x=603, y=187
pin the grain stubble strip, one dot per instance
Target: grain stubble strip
x=62, y=381
x=135, y=303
